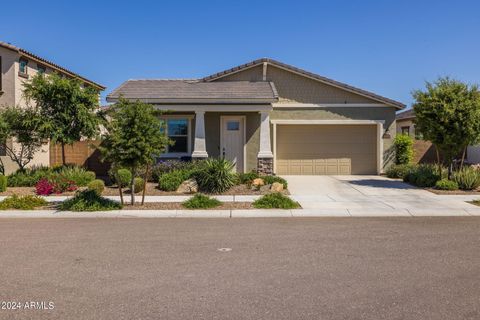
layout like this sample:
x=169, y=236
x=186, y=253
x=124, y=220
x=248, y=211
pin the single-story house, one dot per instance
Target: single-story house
x=272, y=117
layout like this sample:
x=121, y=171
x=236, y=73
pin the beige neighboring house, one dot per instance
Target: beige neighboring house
x=18, y=65
x=272, y=117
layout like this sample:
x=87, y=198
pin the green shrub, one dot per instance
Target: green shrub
x=22, y=203
x=97, y=185
x=89, y=200
x=272, y=179
x=446, y=184
x=172, y=180
x=124, y=176
x=3, y=183
x=246, y=178
x=79, y=175
x=403, y=145
x=467, y=178
x=167, y=166
x=200, y=201
x=399, y=171
x=29, y=177
x=424, y=176
x=275, y=200
x=138, y=185
x=215, y=175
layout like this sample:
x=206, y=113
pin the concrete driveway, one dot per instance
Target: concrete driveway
x=373, y=196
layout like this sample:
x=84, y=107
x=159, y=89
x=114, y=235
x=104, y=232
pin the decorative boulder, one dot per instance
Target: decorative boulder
x=276, y=187
x=188, y=186
x=265, y=188
x=258, y=182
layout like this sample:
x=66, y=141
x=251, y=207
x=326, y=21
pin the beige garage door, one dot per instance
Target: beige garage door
x=326, y=149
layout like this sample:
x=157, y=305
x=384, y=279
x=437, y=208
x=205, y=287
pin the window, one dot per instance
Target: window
x=41, y=68
x=178, y=131
x=23, y=66
x=406, y=130
x=233, y=125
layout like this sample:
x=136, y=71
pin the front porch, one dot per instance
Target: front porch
x=242, y=134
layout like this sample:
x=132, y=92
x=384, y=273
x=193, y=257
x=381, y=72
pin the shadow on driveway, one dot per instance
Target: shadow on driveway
x=384, y=184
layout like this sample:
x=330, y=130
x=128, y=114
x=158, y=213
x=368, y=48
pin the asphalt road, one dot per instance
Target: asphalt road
x=325, y=268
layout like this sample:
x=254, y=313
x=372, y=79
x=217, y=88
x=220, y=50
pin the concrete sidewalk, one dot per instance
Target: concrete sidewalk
x=250, y=213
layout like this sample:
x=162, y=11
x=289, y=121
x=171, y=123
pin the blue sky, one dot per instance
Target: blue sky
x=388, y=47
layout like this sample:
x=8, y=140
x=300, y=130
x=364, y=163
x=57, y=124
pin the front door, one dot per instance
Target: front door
x=232, y=140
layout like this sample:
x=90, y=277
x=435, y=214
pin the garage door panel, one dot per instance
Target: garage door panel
x=326, y=149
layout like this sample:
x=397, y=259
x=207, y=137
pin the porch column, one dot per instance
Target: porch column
x=199, y=146
x=265, y=155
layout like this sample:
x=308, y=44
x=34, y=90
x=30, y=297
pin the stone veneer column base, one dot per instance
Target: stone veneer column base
x=265, y=166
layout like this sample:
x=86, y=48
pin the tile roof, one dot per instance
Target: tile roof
x=408, y=114
x=185, y=91
x=50, y=64
x=338, y=84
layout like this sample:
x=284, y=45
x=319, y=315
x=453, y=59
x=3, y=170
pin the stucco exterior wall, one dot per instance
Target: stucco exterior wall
x=353, y=113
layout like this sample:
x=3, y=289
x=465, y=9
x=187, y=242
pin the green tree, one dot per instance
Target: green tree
x=22, y=127
x=133, y=138
x=69, y=110
x=403, y=149
x=448, y=114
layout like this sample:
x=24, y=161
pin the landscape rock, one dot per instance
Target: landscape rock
x=258, y=182
x=276, y=187
x=265, y=188
x=188, y=186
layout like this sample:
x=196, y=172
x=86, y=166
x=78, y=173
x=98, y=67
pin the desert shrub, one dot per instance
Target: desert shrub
x=200, y=201
x=172, y=180
x=3, y=183
x=272, y=179
x=399, y=171
x=97, y=185
x=246, y=178
x=89, y=200
x=446, y=184
x=275, y=200
x=124, y=176
x=167, y=166
x=29, y=177
x=467, y=178
x=138, y=184
x=215, y=175
x=22, y=203
x=403, y=145
x=424, y=175
x=79, y=175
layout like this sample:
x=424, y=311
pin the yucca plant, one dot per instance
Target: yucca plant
x=467, y=178
x=215, y=175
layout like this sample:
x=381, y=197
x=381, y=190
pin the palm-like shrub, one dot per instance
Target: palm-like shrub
x=467, y=178
x=215, y=175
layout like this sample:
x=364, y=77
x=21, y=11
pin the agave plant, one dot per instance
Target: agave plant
x=215, y=175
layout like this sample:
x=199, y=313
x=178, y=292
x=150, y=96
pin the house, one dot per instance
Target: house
x=18, y=65
x=272, y=117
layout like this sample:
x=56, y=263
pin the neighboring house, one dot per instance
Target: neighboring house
x=18, y=65
x=424, y=151
x=272, y=117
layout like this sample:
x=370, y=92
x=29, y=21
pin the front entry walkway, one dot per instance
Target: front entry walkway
x=373, y=196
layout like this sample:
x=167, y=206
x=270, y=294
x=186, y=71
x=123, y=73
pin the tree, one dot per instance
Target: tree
x=68, y=109
x=22, y=126
x=448, y=114
x=134, y=136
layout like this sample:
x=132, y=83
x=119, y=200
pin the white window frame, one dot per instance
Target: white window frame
x=189, y=136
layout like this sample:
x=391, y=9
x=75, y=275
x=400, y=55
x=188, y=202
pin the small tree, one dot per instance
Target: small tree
x=22, y=126
x=403, y=149
x=448, y=114
x=134, y=137
x=68, y=110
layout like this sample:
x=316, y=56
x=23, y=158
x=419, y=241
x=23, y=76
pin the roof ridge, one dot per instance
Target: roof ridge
x=318, y=77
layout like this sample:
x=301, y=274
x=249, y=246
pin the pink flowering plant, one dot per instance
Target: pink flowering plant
x=56, y=183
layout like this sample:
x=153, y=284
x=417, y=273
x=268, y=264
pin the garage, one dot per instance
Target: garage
x=304, y=149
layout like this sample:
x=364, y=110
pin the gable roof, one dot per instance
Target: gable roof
x=308, y=74
x=189, y=91
x=408, y=114
x=50, y=64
